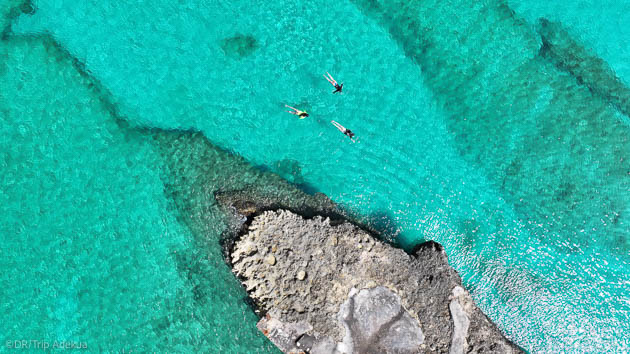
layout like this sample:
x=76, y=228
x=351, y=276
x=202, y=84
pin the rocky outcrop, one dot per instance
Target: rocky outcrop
x=336, y=289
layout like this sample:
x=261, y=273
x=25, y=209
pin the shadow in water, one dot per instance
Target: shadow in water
x=291, y=171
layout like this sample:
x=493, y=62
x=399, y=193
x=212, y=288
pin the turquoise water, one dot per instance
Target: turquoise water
x=467, y=135
x=92, y=249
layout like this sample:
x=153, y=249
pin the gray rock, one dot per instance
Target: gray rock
x=376, y=322
x=460, y=322
x=325, y=346
x=403, y=336
x=283, y=334
x=401, y=303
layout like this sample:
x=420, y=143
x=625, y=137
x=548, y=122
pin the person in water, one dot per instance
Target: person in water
x=334, y=82
x=297, y=112
x=344, y=130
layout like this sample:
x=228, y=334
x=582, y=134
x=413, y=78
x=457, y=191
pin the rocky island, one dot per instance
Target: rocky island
x=325, y=286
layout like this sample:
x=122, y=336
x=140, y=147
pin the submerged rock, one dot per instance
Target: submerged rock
x=336, y=289
x=239, y=46
x=588, y=69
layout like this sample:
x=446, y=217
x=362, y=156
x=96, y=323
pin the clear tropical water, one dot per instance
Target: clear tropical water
x=467, y=135
x=92, y=250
